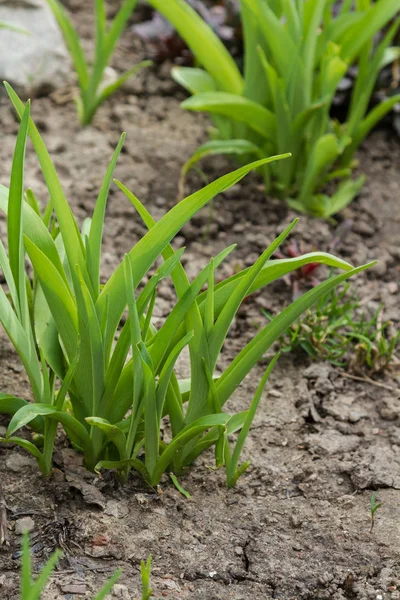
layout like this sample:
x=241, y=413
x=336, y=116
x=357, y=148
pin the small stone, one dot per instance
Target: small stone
x=111, y=508
x=57, y=476
x=333, y=442
x=24, y=525
x=297, y=547
x=141, y=499
x=74, y=588
x=347, y=501
x=238, y=550
x=363, y=228
x=3, y=430
x=120, y=591
x=392, y=287
x=18, y=462
x=295, y=521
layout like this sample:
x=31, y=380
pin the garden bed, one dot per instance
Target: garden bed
x=297, y=525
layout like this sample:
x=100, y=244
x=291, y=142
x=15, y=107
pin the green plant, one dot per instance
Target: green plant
x=296, y=53
x=334, y=332
x=374, y=505
x=145, y=570
x=93, y=90
x=114, y=393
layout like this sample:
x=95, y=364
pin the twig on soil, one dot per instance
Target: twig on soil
x=3, y=517
x=372, y=382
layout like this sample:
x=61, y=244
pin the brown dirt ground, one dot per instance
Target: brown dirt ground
x=297, y=524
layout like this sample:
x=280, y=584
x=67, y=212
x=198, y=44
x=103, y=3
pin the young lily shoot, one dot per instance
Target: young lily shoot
x=93, y=85
x=97, y=364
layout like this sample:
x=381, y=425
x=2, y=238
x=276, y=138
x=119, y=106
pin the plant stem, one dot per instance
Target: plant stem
x=3, y=517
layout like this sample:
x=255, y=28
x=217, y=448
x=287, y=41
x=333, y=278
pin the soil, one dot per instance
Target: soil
x=297, y=525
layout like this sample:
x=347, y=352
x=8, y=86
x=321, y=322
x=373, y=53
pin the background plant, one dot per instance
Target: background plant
x=116, y=386
x=296, y=54
x=93, y=89
x=336, y=331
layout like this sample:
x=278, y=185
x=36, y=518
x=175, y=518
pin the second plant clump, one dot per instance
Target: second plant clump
x=109, y=387
x=296, y=54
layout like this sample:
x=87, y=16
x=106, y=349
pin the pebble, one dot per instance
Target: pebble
x=24, y=525
x=75, y=588
x=363, y=228
x=18, y=462
x=111, y=508
x=392, y=287
x=121, y=591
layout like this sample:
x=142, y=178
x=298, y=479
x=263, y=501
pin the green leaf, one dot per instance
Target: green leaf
x=178, y=486
x=205, y=45
x=28, y=413
x=26, y=445
x=102, y=595
x=58, y=296
x=239, y=147
x=11, y=404
x=187, y=434
x=14, y=221
x=68, y=227
x=109, y=90
x=193, y=80
x=236, y=107
x=233, y=473
x=113, y=433
x=72, y=39
x=154, y=242
x=97, y=224
x=255, y=349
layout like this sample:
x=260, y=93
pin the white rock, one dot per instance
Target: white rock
x=38, y=61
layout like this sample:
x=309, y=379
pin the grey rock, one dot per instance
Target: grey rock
x=38, y=61
x=24, y=525
x=18, y=462
x=121, y=591
x=333, y=442
x=377, y=467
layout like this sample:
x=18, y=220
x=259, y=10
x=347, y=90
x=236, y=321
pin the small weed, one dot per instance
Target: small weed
x=333, y=332
x=374, y=505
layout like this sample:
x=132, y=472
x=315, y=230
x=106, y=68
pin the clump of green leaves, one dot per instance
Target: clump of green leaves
x=296, y=54
x=32, y=589
x=109, y=387
x=334, y=331
x=93, y=90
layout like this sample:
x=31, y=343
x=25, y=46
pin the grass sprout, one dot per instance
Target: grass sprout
x=374, y=506
x=111, y=387
x=93, y=89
